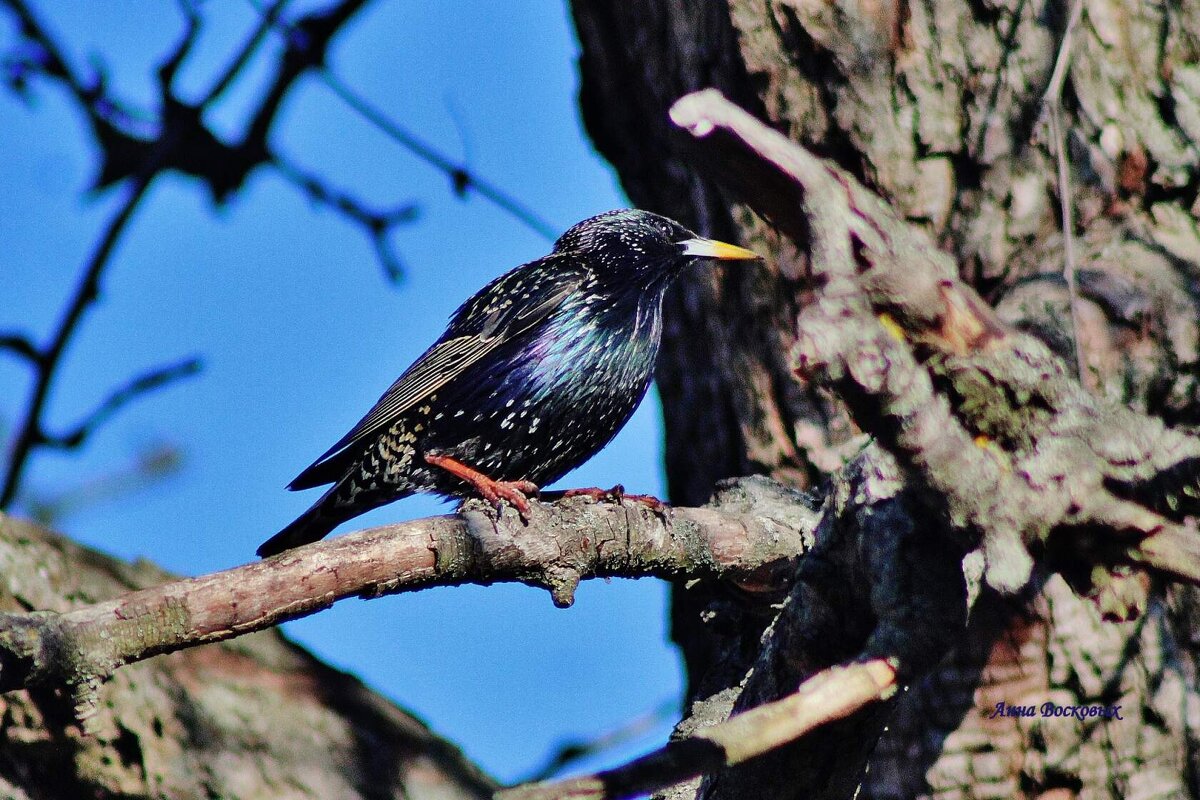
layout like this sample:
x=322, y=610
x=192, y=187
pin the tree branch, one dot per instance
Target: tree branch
x=577, y=749
x=149, y=381
x=830, y=695
x=30, y=432
x=562, y=543
x=1009, y=445
x=377, y=223
x=22, y=346
x=258, y=717
x=462, y=179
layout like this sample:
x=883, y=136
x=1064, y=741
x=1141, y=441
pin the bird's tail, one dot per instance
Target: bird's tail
x=312, y=525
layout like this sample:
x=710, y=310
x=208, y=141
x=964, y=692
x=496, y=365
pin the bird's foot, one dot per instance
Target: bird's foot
x=517, y=493
x=617, y=495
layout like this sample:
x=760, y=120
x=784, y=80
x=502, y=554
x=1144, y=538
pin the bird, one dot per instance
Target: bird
x=533, y=375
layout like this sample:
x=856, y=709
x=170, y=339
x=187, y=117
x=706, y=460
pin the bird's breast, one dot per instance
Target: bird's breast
x=547, y=404
x=590, y=358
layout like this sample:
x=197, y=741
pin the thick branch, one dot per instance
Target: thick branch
x=258, y=717
x=562, y=543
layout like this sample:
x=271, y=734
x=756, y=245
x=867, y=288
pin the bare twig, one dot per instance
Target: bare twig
x=266, y=20
x=462, y=179
x=21, y=345
x=1062, y=60
x=378, y=224
x=149, y=381
x=30, y=432
x=573, y=750
x=832, y=694
x=105, y=114
x=1052, y=108
x=53, y=61
x=174, y=60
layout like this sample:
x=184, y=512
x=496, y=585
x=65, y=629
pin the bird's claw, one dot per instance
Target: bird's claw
x=614, y=495
x=515, y=492
x=494, y=491
x=617, y=495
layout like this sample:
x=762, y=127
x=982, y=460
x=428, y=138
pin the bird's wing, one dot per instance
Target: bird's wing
x=495, y=315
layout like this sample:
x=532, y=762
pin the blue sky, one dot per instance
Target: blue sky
x=300, y=332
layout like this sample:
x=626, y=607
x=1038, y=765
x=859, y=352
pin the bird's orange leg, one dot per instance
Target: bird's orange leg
x=515, y=492
x=617, y=495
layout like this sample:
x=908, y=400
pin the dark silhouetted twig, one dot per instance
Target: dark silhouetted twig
x=147, y=382
x=30, y=433
x=147, y=467
x=462, y=179
x=376, y=223
x=574, y=750
x=21, y=345
x=266, y=21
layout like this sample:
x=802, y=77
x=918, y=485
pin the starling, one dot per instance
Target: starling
x=534, y=374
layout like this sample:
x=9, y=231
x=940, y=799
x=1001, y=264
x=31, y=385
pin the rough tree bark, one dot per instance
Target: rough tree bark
x=255, y=717
x=938, y=106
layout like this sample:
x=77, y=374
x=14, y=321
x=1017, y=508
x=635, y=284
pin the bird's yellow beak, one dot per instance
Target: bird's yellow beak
x=709, y=248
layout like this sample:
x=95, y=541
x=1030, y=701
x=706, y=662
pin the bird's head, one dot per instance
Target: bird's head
x=634, y=248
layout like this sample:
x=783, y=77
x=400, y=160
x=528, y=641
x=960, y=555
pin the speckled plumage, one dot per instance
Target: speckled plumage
x=534, y=374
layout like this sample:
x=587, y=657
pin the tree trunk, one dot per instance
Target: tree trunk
x=941, y=108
